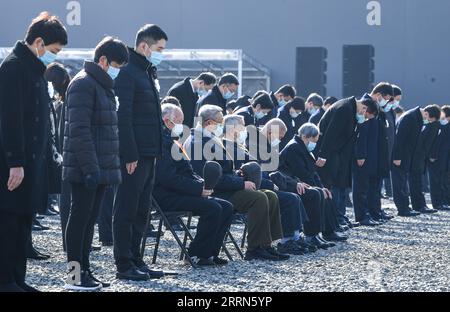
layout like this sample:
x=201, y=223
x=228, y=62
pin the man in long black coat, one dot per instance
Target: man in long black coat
x=221, y=93
x=406, y=149
x=188, y=93
x=24, y=128
x=335, y=149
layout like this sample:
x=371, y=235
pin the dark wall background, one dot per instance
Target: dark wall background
x=412, y=46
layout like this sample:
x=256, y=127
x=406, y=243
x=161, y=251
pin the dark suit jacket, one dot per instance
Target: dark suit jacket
x=366, y=147
x=441, y=149
x=214, y=97
x=188, y=99
x=424, y=146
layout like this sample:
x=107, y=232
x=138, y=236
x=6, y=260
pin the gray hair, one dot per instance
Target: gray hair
x=309, y=130
x=316, y=99
x=233, y=120
x=209, y=112
x=169, y=109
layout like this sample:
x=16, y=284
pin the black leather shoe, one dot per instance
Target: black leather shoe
x=132, y=274
x=259, y=254
x=290, y=248
x=443, y=208
x=334, y=237
x=369, y=222
x=107, y=244
x=36, y=255
x=151, y=273
x=220, y=261
x=408, y=213
x=323, y=240
x=306, y=246
x=104, y=285
x=96, y=248
x=353, y=224
x=315, y=241
x=427, y=210
x=281, y=256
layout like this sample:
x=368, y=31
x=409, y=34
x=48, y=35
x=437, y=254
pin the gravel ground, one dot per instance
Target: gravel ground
x=406, y=254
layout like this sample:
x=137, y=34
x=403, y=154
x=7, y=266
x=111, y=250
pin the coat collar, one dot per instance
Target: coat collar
x=302, y=145
x=98, y=74
x=138, y=59
x=23, y=52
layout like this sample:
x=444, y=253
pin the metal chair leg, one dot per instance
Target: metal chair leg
x=186, y=232
x=236, y=245
x=158, y=239
x=244, y=236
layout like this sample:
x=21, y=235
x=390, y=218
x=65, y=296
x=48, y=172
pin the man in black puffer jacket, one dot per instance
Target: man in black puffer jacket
x=91, y=152
x=140, y=133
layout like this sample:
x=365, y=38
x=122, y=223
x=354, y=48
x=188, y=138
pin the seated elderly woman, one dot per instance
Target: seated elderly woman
x=291, y=207
x=296, y=160
x=178, y=188
x=261, y=207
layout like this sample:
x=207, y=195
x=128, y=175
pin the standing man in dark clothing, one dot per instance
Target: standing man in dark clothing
x=412, y=146
x=315, y=118
x=91, y=152
x=24, y=129
x=189, y=91
x=140, y=134
x=439, y=169
x=335, y=149
x=221, y=93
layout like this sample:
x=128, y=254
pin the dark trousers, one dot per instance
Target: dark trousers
x=366, y=194
x=64, y=209
x=130, y=213
x=105, y=216
x=215, y=219
x=312, y=200
x=339, y=199
x=80, y=225
x=400, y=189
x=387, y=182
x=415, y=180
x=14, y=234
x=291, y=210
x=439, y=190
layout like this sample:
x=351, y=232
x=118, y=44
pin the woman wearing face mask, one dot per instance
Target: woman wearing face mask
x=290, y=114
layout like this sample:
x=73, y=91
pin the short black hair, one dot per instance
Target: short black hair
x=264, y=101
x=171, y=100
x=384, y=88
x=207, y=78
x=397, y=90
x=150, y=34
x=58, y=75
x=434, y=111
x=298, y=103
x=228, y=78
x=316, y=99
x=114, y=50
x=287, y=90
x=49, y=28
x=372, y=107
x=330, y=100
x=446, y=110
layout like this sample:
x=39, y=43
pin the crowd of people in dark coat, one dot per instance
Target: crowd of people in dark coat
x=105, y=145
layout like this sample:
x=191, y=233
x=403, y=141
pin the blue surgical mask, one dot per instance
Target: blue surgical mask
x=382, y=103
x=312, y=111
x=259, y=115
x=426, y=121
x=388, y=107
x=282, y=102
x=47, y=58
x=113, y=72
x=396, y=104
x=444, y=122
x=311, y=146
x=156, y=58
x=201, y=92
x=360, y=118
x=294, y=114
x=218, y=131
x=228, y=95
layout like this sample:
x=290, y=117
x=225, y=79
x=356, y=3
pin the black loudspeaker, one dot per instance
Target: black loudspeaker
x=358, y=70
x=311, y=69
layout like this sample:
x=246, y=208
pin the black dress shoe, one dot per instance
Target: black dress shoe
x=259, y=254
x=34, y=254
x=328, y=243
x=27, y=287
x=104, y=284
x=306, y=246
x=353, y=224
x=443, y=208
x=385, y=216
x=132, y=274
x=315, y=241
x=427, y=210
x=107, y=244
x=152, y=274
x=220, y=261
x=369, y=222
x=334, y=237
x=290, y=248
x=204, y=262
x=408, y=213
x=281, y=256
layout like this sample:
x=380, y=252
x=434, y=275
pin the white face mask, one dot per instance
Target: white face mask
x=242, y=137
x=218, y=131
x=177, y=130
x=383, y=102
x=294, y=114
x=275, y=142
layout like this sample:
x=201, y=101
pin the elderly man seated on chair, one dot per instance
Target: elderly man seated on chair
x=178, y=188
